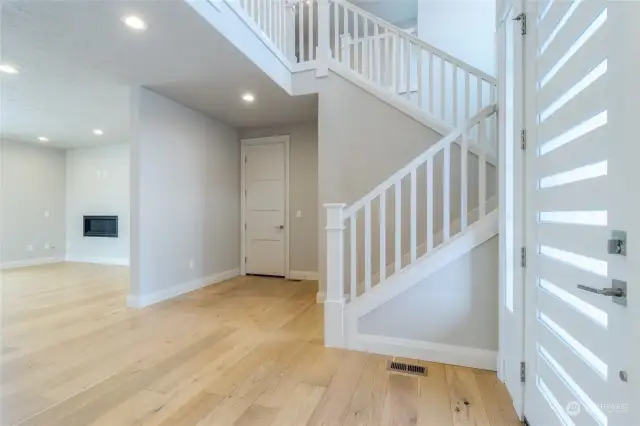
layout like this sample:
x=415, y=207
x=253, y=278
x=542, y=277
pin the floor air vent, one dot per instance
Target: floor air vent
x=401, y=367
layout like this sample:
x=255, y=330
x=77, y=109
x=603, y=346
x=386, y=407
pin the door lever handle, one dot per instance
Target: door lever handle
x=613, y=292
x=279, y=226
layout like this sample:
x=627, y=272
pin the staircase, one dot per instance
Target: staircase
x=439, y=207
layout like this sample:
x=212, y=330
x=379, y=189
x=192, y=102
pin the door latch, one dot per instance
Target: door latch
x=617, y=244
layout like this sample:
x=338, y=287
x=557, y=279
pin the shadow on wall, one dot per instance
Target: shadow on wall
x=456, y=306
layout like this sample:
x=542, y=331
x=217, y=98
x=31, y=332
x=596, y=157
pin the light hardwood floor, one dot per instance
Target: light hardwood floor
x=244, y=352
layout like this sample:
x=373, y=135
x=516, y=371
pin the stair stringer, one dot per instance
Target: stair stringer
x=399, y=283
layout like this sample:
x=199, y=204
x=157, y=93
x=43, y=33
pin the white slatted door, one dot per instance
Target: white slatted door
x=265, y=184
x=575, y=340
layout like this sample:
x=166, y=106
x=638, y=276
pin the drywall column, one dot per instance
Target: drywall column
x=185, y=176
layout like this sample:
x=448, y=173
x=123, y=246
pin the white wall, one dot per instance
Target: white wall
x=456, y=306
x=33, y=203
x=303, y=191
x=98, y=184
x=463, y=28
x=185, y=205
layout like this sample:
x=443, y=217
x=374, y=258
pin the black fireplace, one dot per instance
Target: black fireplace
x=101, y=226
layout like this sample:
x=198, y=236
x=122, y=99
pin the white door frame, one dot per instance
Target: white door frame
x=243, y=232
x=511, y=324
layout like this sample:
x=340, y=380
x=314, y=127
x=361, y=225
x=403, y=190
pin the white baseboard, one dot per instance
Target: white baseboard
x=320, y=297
x=144, y=300
x=31, y=262
x=303, y=275
x=122, y=261
x=426, y=351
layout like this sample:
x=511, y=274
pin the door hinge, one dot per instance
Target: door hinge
x=523, y=139
x=245, y=226
x=523, y=257
x=523, y=22
x=245, y=158
x=523, y=372
x=245, y=259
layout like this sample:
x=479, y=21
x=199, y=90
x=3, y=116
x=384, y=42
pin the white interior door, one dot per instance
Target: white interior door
x=265, y=206
x=577, y=341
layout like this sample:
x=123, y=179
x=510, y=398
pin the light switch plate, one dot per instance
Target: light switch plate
x=299, y=213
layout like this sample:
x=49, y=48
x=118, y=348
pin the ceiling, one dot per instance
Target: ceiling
x=78, y=64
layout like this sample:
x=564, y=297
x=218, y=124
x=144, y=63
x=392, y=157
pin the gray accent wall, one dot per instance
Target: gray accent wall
x=185, y=176
x=303, y=190
x=33, y=202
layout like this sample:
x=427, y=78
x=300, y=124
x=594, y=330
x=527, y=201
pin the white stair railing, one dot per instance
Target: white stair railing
x=275, y=19
x=321, y=33
x=441, y=85
x=382, y=211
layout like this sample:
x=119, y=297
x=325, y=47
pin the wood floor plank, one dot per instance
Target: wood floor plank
x=227, y=412
x=466, y=403
x=401, y=402
x=369, y=397
x=192, y=412
x=303, y=402
x=496, y=400
x=132, y=411
x=257, y=415
x=332, y=409
x=434, y=403
x=248, y=351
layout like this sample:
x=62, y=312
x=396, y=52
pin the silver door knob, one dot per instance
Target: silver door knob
x=279, y=226
x=613, y=292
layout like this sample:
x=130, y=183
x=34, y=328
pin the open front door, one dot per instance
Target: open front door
x=578, y=316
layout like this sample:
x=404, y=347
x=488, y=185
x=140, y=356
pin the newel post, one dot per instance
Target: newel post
x=324, y=25
x=334, y=327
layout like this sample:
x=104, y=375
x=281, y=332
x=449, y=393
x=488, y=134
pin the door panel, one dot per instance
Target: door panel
x=265, y=204
x=265, y=225
x=265, y=257
x=573, y=338
x=266, y=195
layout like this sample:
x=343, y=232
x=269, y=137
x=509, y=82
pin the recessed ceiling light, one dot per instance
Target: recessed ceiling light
x=248, y=97
x=134, y=22
x=98, y=132
x=43, y=139
x=9, y=69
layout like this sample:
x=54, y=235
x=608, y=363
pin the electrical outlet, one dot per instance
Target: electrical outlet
x=192, y=264
x=47, y=246
x=46, y=213
x=299, y=213
x=29, y=247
